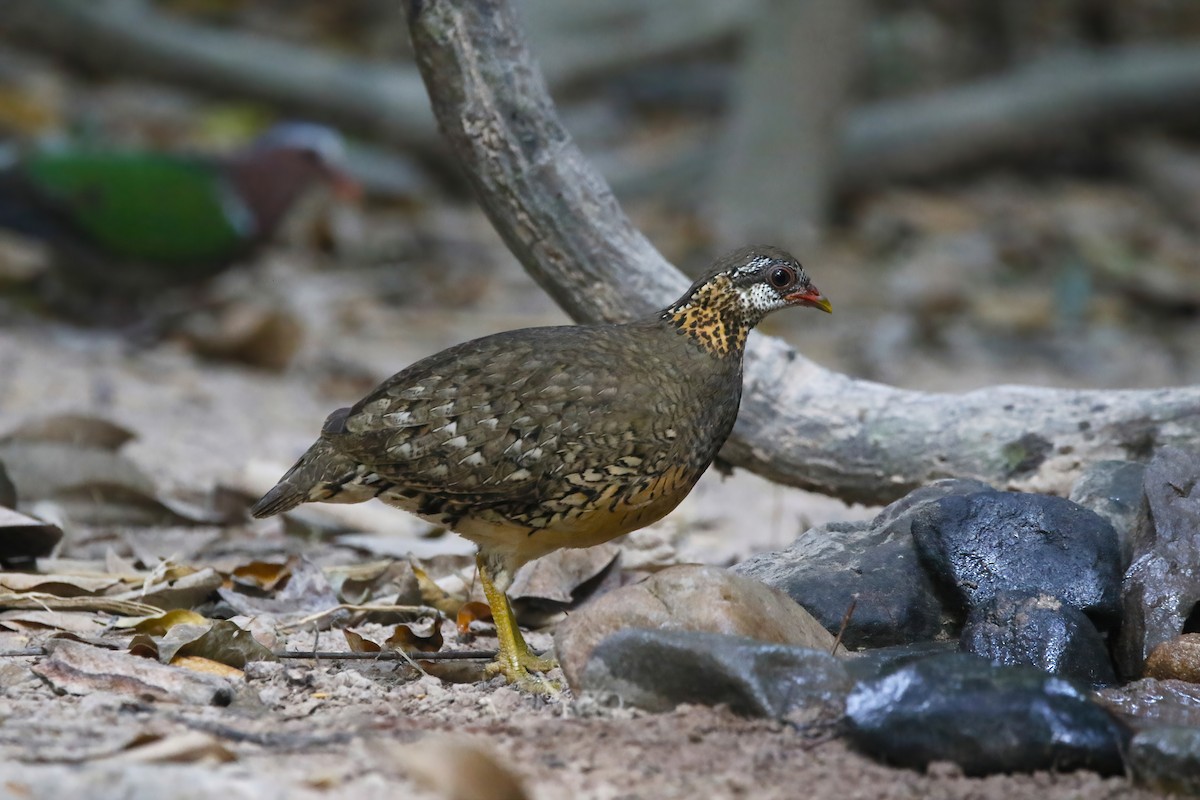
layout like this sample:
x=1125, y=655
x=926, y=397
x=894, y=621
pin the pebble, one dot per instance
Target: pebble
x=1177, y=659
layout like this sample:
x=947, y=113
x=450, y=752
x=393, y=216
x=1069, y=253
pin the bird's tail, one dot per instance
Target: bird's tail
x=320, y=474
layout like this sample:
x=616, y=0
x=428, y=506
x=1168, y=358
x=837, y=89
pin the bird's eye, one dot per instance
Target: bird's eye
x=782, y=277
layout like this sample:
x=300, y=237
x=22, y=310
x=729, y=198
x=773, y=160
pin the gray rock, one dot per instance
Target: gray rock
x=984, y=543
x=875, y=566
x=1113, y=489
x=1162, y=586
x=1167, y=759
x=659, y=670
x=691, y=598
x=985, y=718
x=1038, y=631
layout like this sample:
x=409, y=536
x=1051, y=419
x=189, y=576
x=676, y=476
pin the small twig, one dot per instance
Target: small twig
x=382, y=655
x=392, y=655
x=845, y=624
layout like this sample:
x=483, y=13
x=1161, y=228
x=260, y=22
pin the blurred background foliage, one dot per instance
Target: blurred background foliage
x=988, y=191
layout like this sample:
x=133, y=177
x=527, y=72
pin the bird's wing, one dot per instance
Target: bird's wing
x=500, y=416
x=141, y=206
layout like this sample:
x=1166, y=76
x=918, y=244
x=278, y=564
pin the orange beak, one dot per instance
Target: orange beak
x=811, y=297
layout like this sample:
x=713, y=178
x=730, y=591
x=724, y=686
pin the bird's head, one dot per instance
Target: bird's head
x=739, y=290
x=310, y=152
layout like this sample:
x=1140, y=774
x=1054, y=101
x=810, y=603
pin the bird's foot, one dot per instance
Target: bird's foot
x=522, y=668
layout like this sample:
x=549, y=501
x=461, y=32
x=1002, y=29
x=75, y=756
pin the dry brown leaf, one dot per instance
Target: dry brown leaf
x=201, y=664
x=246, y=332
x=227, y=643
x=143, y=645
x=359, y=643
x=306, y=593
x=556, y=577
x=103, y=502
x=263, y=575
x=77, y=430
x=159, y=624
x=190, y=589
x=436, y=596
x=73, y=621
x=470, y=612
x=182, y=748
x=404, y=638
x=58, y=584
x=456, y=768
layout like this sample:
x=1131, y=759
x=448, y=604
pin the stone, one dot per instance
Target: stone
x=1161, y=590
x=984, y=543
x=1038, y=631
x=1177, y=659
x=1167, y=760
x=687, y=597
x=873, y=565
x=984, y=718
x=1113, y=489
x=657, y=670
x=1150, y=703
x=870, y=664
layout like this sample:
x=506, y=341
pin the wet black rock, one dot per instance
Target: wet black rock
x=873, y=565
x=984, y=718
x=1167, y=759
x=1038, y=631
x=658, y=670
x=984, y=543
x=1161, y=591
x=1113, y=489
x=870, y=664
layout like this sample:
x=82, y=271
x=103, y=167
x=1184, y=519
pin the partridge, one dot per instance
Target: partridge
x=537, y=439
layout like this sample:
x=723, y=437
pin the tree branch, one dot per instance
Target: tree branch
x=800, y=424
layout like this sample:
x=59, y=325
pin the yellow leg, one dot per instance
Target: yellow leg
x=514, y=660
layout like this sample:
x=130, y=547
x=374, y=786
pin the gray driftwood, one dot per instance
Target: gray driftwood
x=800, y=424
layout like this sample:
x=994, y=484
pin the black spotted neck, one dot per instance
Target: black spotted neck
x=715, y=317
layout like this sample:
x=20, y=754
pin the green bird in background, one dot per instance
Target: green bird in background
x=136, y=221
